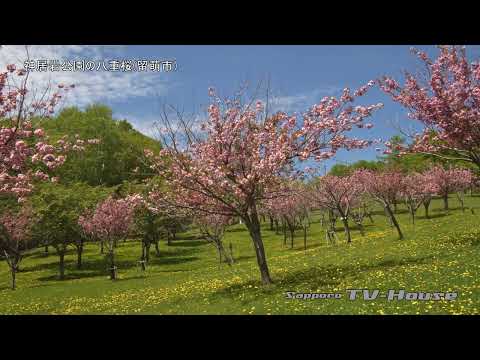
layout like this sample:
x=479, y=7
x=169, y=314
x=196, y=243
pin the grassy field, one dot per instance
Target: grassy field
x=440, y=254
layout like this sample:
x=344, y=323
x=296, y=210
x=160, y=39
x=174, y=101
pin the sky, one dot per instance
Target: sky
x=299, y=77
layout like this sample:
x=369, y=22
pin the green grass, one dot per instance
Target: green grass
x=439, y=254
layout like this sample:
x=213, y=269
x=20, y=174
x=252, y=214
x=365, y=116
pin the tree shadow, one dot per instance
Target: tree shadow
x=236, y=230
x=73, y=276
x=188, y=243
x=89, y=268
x=158, y=261
x=191, y=237
x=431, y=216
x=455, y=208
x=243, y=258
x=328, y=275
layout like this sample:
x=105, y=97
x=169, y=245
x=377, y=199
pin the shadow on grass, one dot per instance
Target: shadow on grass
x=188, y=243
x=241, y=258
x=159, y=261
x=329, y=275
x=449, y=209
x=236, y=230
x=190, y=237
x=431, y=216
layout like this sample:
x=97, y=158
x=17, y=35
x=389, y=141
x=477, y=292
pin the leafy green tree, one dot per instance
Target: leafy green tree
x=57, y=209
x=118, y=156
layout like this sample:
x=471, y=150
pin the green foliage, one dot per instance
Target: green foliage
x=57, y=209
x=117, y=158
x=344, y=170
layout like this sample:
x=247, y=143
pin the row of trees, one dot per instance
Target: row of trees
x=243, y=156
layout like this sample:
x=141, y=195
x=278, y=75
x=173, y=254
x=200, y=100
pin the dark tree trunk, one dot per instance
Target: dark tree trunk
x=79, y=256
x=394, y=221
x=304, y=237
x=169, y=241
x=461, y=200
x=271, y=223
x=412, y=214
x=426, y=205
x=291, y=230
x=101, y=247
x=113, y=270
x=445, y=201
x=395, y=206
x=157, y=249
x=62, y=265
x=284, y=234
x=222, y=254
x=147, y=252
x=46, y=250
x=143, y=259
x=253, y=226
x=14, y=275
x=347, y=229
x=277, y=230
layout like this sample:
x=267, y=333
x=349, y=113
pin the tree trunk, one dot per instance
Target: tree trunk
x=271, y=223
x=412, y=215
x=426, y=205
x=370, y=217
x=291, y=230
x=143, y=259
x=347, y=229
x=253, y=226
x=157, y=250
x=101, y=247
x=223, y=254
x=46, y=250
x=445, y=201
x=147, y=252
x=304, y=237
x=461, y=200
x=394, y=221
x=62, y=265
x=113, y=272
x=169, y=239
x=14, y=274
x=277, y=230
x=395, y=206
x=79, y=256
x=284, y=234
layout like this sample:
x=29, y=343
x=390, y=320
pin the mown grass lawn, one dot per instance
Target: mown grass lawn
x=439, y=254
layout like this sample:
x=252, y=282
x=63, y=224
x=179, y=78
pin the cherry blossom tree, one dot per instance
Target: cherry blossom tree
x=111, y=222
x=450, y=180
x=383, y=187
x=418, y=189
x=212, y=227
x=445, y=99
x=24, y=155
x=340, y=194
x=288, y=204
x=15, y=238
x=147, y=222
x=240, y=152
